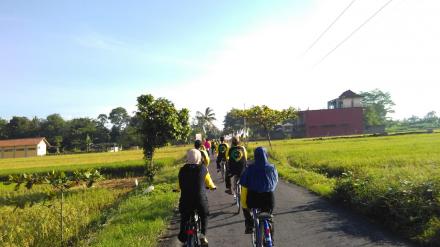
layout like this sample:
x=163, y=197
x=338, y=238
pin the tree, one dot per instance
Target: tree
x=119, y=117
x=102, y=119
x=267, y=118
x=234, y=121
x=377, y=105
x=18, y=127
x=205, y=119
x=3, y=129
x=160, y=124
x=54, y=128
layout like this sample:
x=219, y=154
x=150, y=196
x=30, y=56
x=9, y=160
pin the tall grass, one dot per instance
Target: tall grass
x=142, y=217
x=36, y=221
x=394, y=179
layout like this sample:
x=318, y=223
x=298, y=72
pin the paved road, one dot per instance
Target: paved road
x=301, y=219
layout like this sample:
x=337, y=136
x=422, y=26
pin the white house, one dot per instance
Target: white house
x=348, y=99
x=28, y=147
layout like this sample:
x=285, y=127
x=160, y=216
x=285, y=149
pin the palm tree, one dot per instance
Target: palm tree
x=205, y=119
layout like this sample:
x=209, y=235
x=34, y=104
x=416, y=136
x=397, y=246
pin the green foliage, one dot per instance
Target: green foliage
x=266, y=118
x=161, y=124
x=393, y=179
x=377, y=105
x=141, y=218
x=234, y=121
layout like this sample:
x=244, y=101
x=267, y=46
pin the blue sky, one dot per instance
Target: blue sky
x=79, y=57
x=83, y=58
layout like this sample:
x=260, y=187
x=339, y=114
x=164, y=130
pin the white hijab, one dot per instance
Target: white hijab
x=193, y=156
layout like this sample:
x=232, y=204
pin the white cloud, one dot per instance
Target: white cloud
x=396, y=52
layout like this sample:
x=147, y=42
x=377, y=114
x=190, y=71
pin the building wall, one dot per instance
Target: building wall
x=333, y=122
x=41, y=148
x=351, y=102
x=18, y=152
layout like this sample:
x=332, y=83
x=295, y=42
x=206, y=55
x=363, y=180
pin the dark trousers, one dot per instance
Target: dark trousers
x=249, y=221
x=219, y=159
x=202, y=211
x=264, y=201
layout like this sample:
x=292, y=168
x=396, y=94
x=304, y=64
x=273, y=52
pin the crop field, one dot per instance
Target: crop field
x=84, y=161
x=32, y=217
x=393, y=179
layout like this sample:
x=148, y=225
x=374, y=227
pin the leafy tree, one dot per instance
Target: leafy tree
x=102, y=119
x=267, y=118
x=161, y=124
x=377, y=105
x=77, y=131
x=18, y=127
x=119, y=117
x=234, y=121
x=205, y=119
x=3, y=129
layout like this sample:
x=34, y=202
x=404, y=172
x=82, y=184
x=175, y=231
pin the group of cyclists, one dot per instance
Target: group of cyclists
x=258, y=181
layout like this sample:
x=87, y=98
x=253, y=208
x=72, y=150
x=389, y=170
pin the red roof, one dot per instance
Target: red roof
x=22, y=142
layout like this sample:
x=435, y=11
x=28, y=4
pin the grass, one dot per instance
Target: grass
x=141, y=218
x=121, y=162
x=35, y=222
x=393, y=179
x=38, y=225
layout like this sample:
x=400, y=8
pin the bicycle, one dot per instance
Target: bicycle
x=261, y=236
x=237, y=193
x=223, y=169
x=192, y=231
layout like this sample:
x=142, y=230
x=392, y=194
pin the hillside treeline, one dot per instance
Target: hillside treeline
x=117, y=128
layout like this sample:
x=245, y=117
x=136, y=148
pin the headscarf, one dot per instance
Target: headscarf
x=193, y=156
x=260, y=176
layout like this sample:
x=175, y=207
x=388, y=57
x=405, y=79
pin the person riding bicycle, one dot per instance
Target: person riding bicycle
x=205, y=156
x=207, y=145
x=223, y=148
x=193, y=181
x=236, y=162
x=213, y=147
x=258, y=183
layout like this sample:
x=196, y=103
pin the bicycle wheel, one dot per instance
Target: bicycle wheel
x=238, y=196
x=223, y=169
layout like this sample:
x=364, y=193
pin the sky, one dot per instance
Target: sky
x=83, y=58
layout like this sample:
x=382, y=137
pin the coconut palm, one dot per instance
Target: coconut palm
x=205, y=119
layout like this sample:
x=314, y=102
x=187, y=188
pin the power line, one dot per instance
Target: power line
x=330, y=26
x=354, y=31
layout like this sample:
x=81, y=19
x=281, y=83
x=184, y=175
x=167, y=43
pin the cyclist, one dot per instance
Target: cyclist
x=207, y=145
x=213, y=147
x=193, y=180
x=236, y=162
x=223, y=148
x=205, y=156
x=258, y=183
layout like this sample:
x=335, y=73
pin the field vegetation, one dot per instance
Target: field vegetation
x=395, y=179
x=31, y=217
x=119, y=164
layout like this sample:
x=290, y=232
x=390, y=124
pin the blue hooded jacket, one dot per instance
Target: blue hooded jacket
x=260, y=176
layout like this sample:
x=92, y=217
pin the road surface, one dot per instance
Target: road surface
x=301, y=219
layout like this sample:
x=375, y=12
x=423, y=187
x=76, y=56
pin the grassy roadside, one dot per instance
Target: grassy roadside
x=141, y=217
x=394, y=180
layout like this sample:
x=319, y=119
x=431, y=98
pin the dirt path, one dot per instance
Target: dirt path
x=301, y=219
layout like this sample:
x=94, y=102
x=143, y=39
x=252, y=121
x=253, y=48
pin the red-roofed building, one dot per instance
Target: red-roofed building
x=28, y=147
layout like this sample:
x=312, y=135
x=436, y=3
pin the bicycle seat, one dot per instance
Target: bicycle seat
x=264, y=215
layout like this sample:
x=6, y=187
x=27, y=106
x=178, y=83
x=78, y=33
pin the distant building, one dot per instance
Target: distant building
x=28, y=147
x=347, y=99
x=344, y=116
